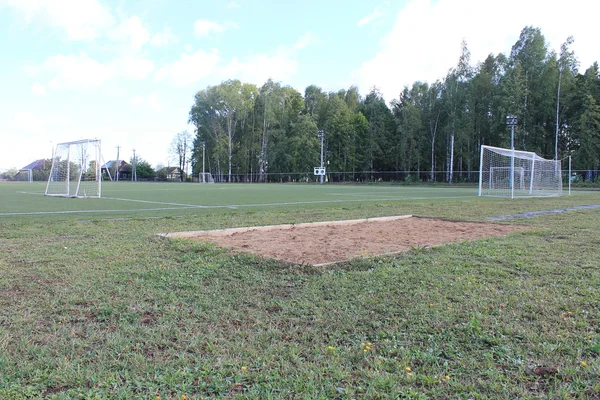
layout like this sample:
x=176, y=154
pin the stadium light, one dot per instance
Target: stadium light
x=321, y=135
x=511, y=120
x=203, y=151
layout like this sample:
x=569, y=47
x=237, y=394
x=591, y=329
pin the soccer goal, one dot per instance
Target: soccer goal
x=205, y=177
x=26, y=175
x=75, y=170
x=517, y=173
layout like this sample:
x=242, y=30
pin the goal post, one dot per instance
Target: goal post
x=26, y=175
x=205, y=177
x=75, y=170
x=517, y=173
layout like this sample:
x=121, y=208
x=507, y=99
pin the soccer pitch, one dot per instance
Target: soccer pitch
x=93, y=304
x=149, y=199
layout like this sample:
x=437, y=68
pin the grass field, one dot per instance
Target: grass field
x=94, y=305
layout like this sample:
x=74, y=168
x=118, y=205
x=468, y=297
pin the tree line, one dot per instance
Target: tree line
x=430, y=131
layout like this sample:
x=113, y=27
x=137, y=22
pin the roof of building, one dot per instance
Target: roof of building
x=111, y=164
x=37, y=165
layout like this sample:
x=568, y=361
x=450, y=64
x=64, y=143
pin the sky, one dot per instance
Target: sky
x=126, y=71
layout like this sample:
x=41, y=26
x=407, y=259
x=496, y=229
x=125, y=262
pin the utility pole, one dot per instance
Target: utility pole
x=133, y=168
x=117, y=164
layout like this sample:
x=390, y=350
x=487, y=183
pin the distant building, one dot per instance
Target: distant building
x=39, y=165
x=40, y=169
x=122, y=168
x=169, y=173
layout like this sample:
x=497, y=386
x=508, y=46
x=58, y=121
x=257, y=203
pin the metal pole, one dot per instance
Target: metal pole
x=203, y=165
x=321, y=136
x=133, y=172
x=117, y=164
x=511, y=120
x=570, y=175
x=512, y=162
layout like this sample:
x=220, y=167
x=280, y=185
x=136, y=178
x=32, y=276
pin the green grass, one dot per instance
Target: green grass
x=94, y=305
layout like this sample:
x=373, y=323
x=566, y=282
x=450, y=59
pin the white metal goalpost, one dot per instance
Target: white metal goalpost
x=28, y=173
x=75, y=170
x=205, y=177
x=517, y=173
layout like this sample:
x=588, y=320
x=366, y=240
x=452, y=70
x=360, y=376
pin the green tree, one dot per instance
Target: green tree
x=143, y=168
x=180, y=149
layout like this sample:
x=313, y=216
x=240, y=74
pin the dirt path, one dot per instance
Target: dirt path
x=327, y=242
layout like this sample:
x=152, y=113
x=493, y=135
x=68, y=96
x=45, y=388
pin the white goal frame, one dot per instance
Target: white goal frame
x=205, y=177
x=29, y=173
x=75, y=170
x=516, y=173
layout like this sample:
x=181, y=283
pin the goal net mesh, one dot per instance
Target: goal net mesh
x=508, y=173
x=75, y=170
x=205, y=177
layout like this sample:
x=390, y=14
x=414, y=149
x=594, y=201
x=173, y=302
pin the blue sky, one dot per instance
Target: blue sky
x=126, y=71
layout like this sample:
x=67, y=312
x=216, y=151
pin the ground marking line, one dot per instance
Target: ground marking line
x=85, y=211
x=233, y=206
x=155, y=202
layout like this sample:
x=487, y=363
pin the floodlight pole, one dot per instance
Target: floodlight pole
x=203, y=165
x=321, y=135
x=511, y=120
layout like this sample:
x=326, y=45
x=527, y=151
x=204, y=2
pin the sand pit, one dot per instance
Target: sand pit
x=334, y=241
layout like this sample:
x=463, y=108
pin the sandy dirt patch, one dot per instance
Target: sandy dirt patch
x=327, y=242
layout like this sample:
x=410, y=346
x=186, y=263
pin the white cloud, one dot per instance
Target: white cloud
x=132, y=32
x=204, y=27
x=76, y=72
x=38, y=89
x=190, y=68
x=80, y=19
x=27, y=122
x=151, y=101
x=257, y=68
x=81, y=72
x=37, y=123
x=164, y=38
x=369, y=18
x=414, y=51
x=132, y=67
x=304, y=41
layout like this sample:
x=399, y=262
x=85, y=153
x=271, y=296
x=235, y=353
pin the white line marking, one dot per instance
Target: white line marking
x=230, y=206
x=85, y=211
x=155, y=202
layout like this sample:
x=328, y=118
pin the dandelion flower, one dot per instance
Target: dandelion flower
x=330, y=347
x=157, y=397
x=583, y=364
x=244, y=368
x=408, y=369
x=447, y=377
x=410, y=375
x=183, y=397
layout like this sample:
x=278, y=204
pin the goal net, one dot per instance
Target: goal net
x=75, y=170
x=517, y=173
x=25, y=175
x=205, y=177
